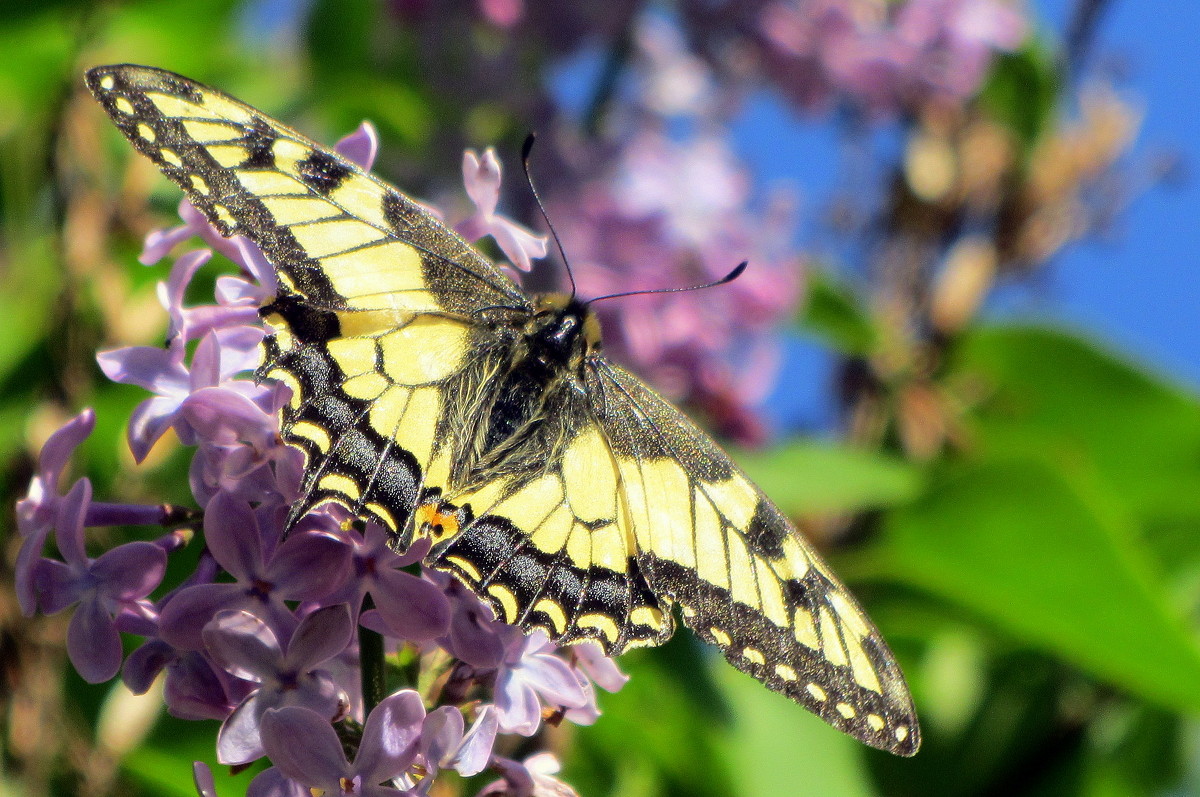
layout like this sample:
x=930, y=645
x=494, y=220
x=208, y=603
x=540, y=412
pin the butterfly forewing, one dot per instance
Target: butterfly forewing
x=370, y=283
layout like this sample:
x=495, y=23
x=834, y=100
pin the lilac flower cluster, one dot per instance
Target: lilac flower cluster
x=263, y=635
x=884, y=57
x=684, y=206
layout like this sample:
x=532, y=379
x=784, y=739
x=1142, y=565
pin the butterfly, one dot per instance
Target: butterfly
x=432, y=395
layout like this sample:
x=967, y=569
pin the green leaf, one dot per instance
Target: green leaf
x=666, y=728
x=782, y=749
x=809, y=478
x=833, y=312
x=1047, y=559
x=1054, y=395
x=1022, y=91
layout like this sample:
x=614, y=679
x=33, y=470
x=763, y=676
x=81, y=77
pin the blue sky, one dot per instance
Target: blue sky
x=1140, y=290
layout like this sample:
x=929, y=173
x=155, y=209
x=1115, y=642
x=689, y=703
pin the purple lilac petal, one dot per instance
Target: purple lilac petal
x=150, y=420
x=203, y=778
x=239, y=739
x=273, y=783
x=56, y=585
x=476, y=748
x=243, y=644
x=159, y=243
x=413, y=608
x=183, y=617
x=252, y=259
x=93, y=644
x=309, y=565
x=233, y=537
x=531, y=670
x=304, y=747
x=531, y=778
x=172, y=292
x=390, y=736
x=441, y=734
x=145, y=663
x=195, y=690
x=474, y=635
x=320, y=636
x=481, y=178
x=68, y=532
x=130, y=571
x=224, y=417
x=29, y=578
x=518, y=706
x=360, y=146
x=158, y=370
x=39, y=508
x=590, y=659
x=443, y=743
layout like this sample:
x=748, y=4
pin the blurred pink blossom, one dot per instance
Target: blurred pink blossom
x=673, y=215
x=885, y=57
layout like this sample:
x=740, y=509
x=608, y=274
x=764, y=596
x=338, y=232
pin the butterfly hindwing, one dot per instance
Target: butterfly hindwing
x=545, y=543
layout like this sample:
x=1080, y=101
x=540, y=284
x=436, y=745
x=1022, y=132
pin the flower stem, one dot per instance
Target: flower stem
x=371, y=663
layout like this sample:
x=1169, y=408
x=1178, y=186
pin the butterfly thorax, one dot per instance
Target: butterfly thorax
x=528, y=395
x=562, y=330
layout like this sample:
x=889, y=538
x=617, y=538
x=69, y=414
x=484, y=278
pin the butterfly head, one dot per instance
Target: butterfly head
x=563, y=330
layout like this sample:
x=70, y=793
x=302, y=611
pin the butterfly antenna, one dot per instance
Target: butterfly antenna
x=526, y=148
x=730, y=277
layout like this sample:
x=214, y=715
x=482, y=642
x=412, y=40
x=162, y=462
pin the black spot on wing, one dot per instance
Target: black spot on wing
x=402, y=214
x=258, y=141
x=322, y=172
x=170, y=84
x=767, y=531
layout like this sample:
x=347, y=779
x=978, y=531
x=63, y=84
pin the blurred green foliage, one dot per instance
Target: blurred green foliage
x=1040, y=584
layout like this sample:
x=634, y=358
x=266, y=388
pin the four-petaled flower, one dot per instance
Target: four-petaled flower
x=118, y=581
x=305, y=748
x=286, y=675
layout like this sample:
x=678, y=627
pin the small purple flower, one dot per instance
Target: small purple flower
x=481, y=176
x=219, y=356
x=193, y=687
x=268, y=783
x=247, y=648
x=475, y=636
x=304, y=747
x=159, y=243
x=308, y=565
x=591, y=665
x=530, y=671
x=444, y=745
x=38, y=510
x=192, y=323
x=534, y=777
x=119, y=580
x=410, y=607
